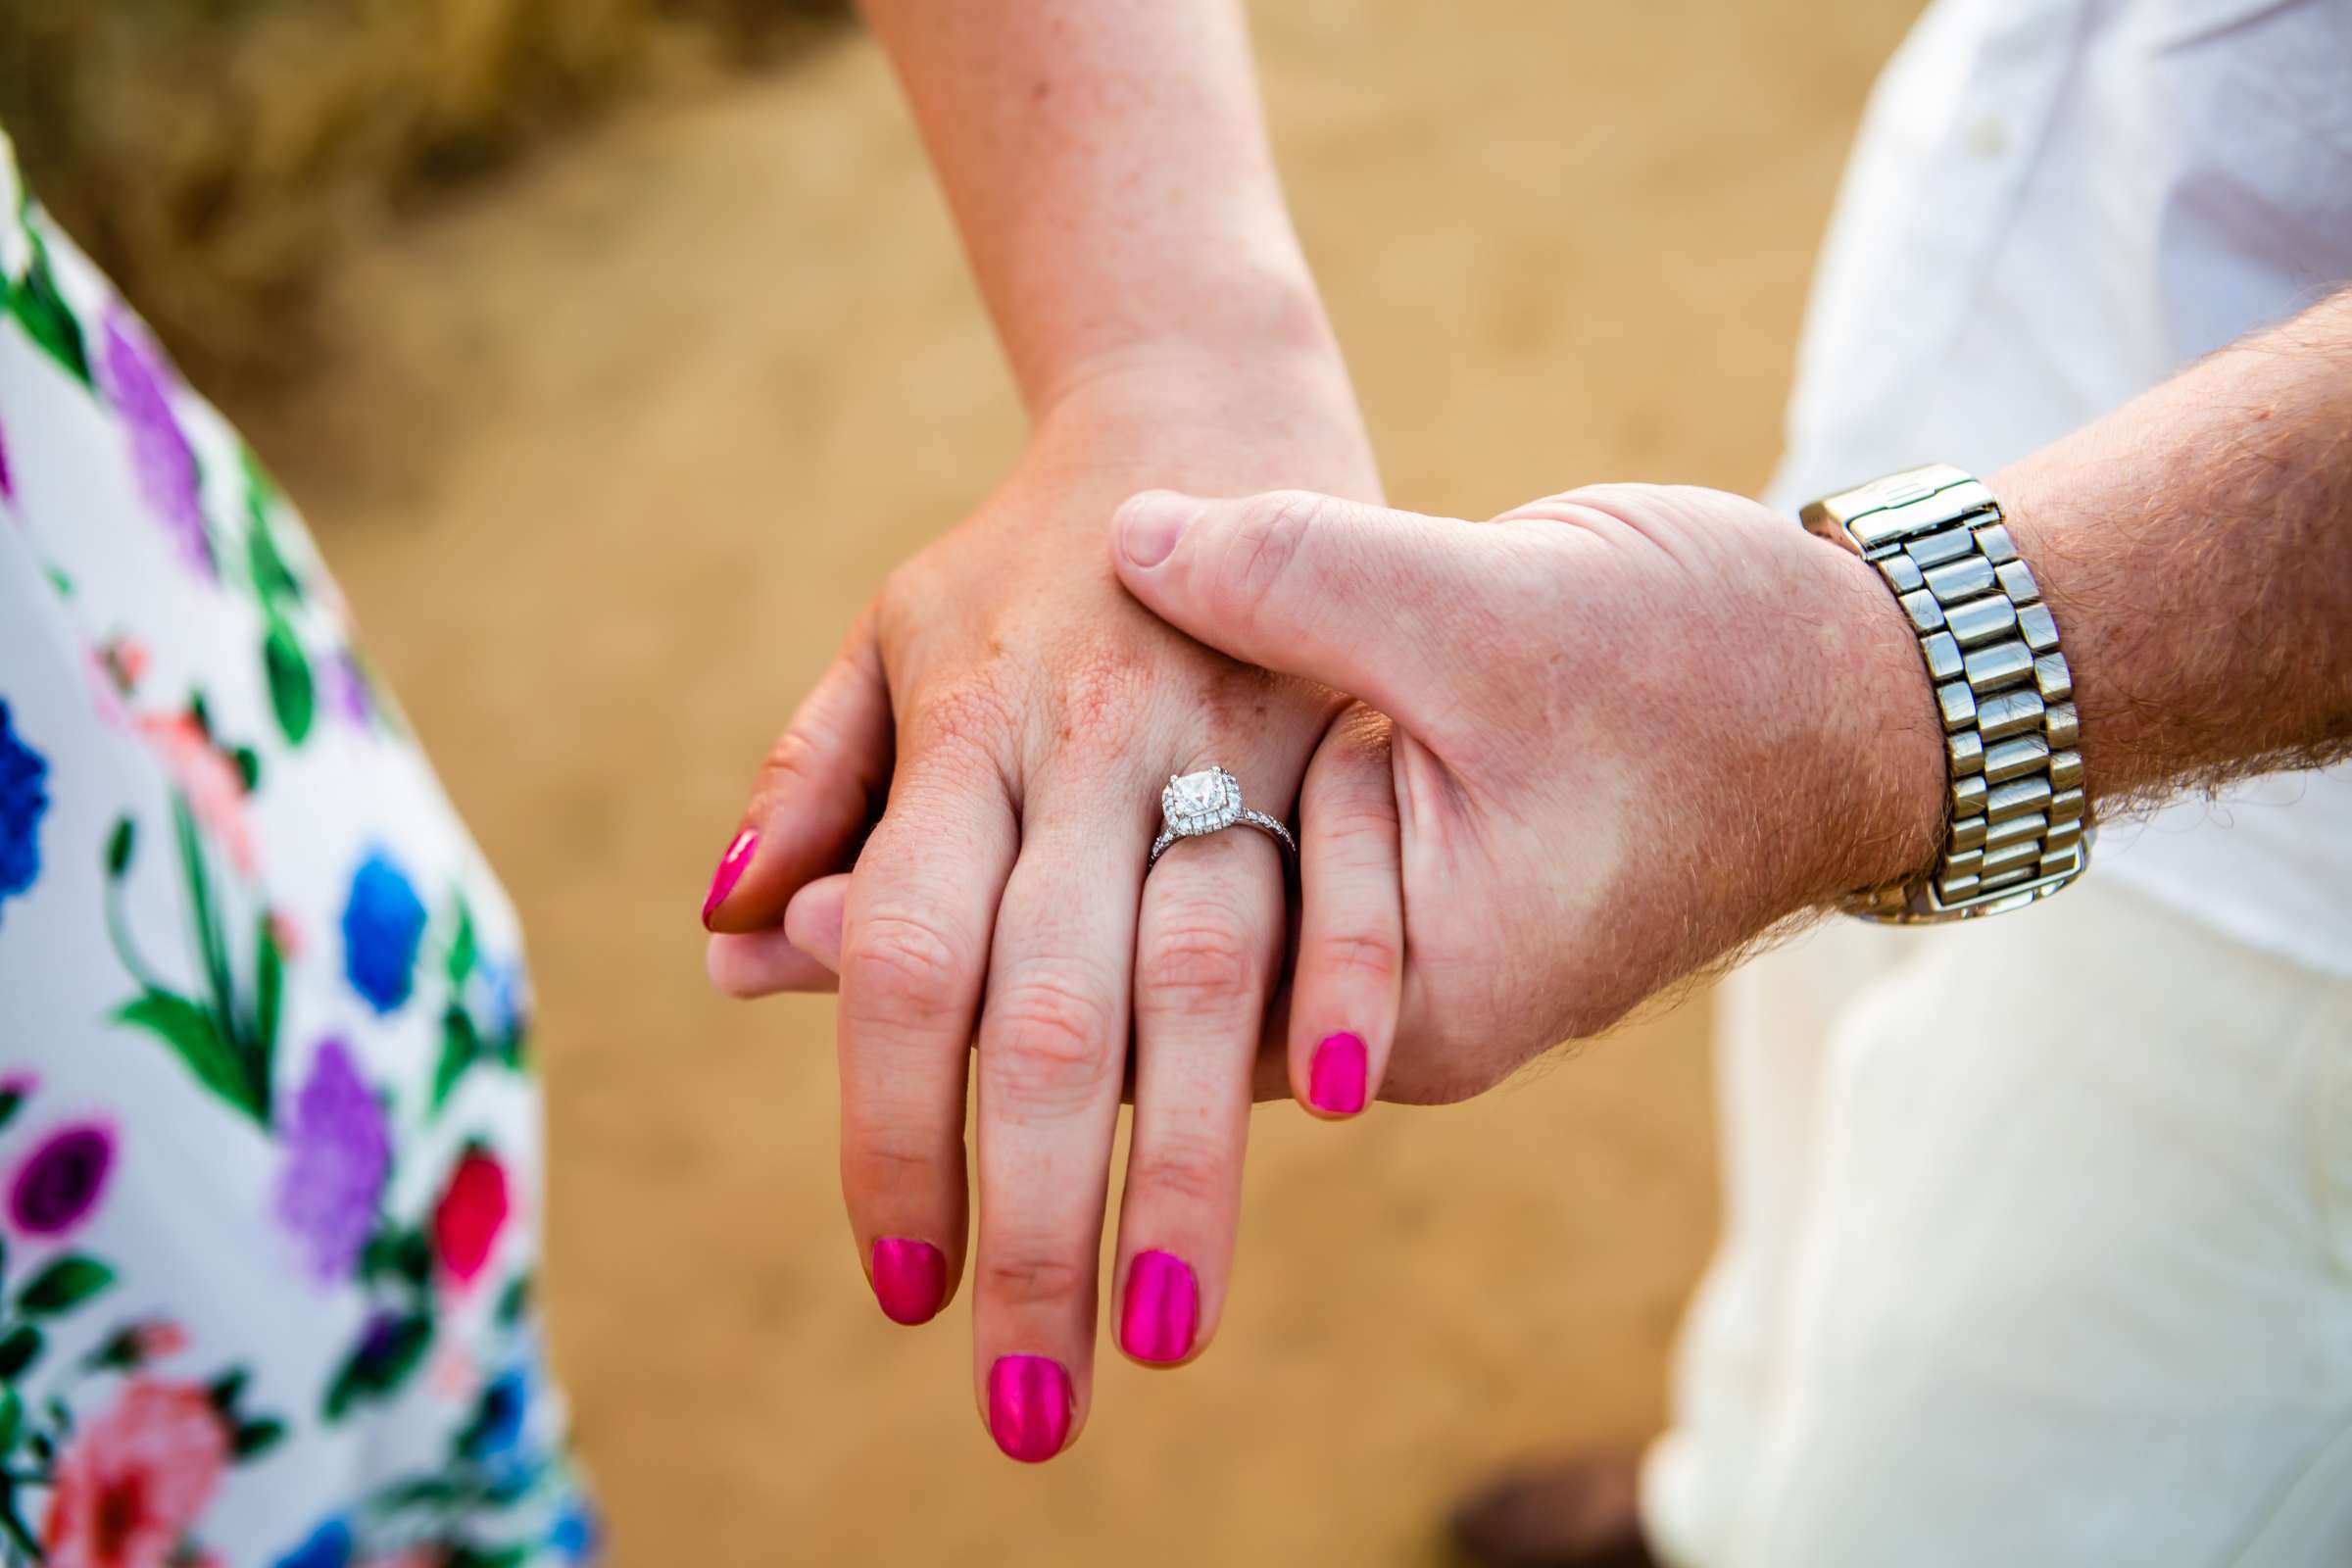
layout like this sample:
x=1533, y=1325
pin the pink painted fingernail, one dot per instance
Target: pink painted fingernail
x=910, y=1279
x=1335, y=1082
x=729, y=872
x=1162, y=1312
x=1029, y=1405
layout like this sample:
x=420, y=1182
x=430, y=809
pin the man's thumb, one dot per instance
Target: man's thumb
x=1354, y=596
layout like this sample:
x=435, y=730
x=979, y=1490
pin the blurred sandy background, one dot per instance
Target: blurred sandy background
x=607, y=447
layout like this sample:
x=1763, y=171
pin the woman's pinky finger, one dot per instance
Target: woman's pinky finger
x=1352, y=919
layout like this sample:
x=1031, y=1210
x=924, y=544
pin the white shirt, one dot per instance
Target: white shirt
x=2053, y=205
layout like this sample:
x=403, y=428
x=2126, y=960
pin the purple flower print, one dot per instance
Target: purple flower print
x=58, y=1184
x=8, y=480
x=138, y=381
x=337, y=1153
x=346, y=688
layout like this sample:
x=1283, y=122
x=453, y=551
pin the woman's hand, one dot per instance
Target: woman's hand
x=1024, y=712
x=1629, y=729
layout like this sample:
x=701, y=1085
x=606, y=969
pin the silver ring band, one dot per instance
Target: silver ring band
x=1197, y=804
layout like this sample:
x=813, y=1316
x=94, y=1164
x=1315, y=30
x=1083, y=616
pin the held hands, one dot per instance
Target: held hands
x=1604, y=740
x=1627, y=730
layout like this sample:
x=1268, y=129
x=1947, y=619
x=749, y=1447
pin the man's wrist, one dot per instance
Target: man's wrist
x=1883, y=819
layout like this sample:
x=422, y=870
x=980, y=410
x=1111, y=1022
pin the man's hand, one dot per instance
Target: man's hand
x=1629, y=729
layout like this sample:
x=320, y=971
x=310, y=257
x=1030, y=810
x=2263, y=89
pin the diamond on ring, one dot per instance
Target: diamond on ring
x=1203, y=801
x=1209, y=801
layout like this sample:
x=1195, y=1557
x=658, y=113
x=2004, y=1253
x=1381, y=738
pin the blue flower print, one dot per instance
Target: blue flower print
x=382, y=924
x=23, y=799
x=330, y=1545
x=575, y=1535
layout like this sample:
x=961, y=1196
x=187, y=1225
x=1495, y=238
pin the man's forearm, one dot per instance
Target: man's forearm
x=2195, y=549
x=1108, y=166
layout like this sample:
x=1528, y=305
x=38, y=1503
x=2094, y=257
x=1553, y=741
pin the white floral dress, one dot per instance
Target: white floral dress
x=270, y=1144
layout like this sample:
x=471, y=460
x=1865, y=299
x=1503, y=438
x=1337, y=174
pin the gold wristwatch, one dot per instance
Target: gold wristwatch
x=2015, y=827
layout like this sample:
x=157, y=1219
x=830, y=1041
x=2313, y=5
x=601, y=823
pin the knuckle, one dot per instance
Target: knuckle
x=1052, y=1040
x=883, y=1168
x=1102, y=693
x=1363, y=954
x=1186, y=1172
x=968, y=715
x=1358, y=816
x=794, y=758
x=904, y=967
x=1268, y=531
x=1027, y=1273
x=1196, y=963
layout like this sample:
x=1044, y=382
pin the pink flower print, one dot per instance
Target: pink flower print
x=215, y=789
x=136, y=1479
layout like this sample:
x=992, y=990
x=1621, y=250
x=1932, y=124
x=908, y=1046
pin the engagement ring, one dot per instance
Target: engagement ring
x=1209, y=801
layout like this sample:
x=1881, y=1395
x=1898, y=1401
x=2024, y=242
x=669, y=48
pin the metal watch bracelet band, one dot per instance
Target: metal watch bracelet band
x=2015, y=824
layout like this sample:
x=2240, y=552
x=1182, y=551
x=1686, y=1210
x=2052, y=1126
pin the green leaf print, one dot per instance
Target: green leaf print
x=462, y=948
x=256, y=1437
x=11, y=1419
x=119, y=845
x=273, y=579
x=269, y=973
x=36, y=302
x=20, y=1348
x=210, y=944
x=227, y=1039
x=460, y=1043
x=64, y=1285
x=12, y=1525
x=293, y=696
x=382, y=1363
x=10, y=1100
x=192, y=1034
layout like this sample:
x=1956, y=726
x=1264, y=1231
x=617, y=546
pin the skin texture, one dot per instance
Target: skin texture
x=1004, y=715
x=1627, y=730
x=1631, y=729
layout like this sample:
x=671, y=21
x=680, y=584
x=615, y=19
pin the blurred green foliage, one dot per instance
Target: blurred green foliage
x=214, y=155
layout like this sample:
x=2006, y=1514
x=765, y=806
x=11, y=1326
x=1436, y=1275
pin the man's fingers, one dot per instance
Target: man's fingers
x=1354, y=596
x=1352, y=919
x=914, y=947
x=815, y=795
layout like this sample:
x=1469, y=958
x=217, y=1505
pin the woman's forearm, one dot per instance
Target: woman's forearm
x=1108, y=166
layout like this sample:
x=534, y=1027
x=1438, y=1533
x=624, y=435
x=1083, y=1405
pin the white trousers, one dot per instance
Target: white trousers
x=2075, y=1289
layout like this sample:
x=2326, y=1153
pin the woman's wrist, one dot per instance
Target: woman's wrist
x=1213, y=412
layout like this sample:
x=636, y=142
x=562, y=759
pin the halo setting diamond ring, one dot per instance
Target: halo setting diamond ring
x=1195, y=805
